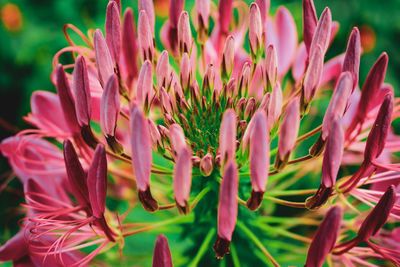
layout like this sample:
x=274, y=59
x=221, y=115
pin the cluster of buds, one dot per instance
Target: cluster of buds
x=204, y=119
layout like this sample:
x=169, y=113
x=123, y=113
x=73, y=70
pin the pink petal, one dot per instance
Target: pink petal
x=183, y=176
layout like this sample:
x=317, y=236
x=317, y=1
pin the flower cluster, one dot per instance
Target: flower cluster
x=209, y=135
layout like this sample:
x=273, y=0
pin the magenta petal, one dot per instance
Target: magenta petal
x=113, y=30
x=104, y=61
x=14, y=249
x=264, y=9
x=325, y=238
x=352, y=58
x=162, y=254
x=227, y=206
x=141, y=147
x=129, y=45
x=183, y=176
x=81, y=89
x=110, y=107
x=227, y=136
x=225, y=15
x=175, y=10
x=259, y=152
x=97, y=181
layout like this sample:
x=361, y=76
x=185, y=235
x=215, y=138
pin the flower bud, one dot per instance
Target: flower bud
x=271, y=66
x=227, y=136
x=310, y=21
x=206, y=165
x=163, y=71
x=81, y=90
x=148, y=7
x=225, y=10
x=177, y=138
x=183, y=178
x=264, y=8
x=184, y=34
x=162, y=254
x=165, y=101
x=228, y=58
x=129, y=46
x=322, y=33
x=244, y=80
x=185, y=72
x=227, y=209
x=145, y=37
x=351, y=61
x=275, y=106
x=104, y=61
x=113, y=30
x=208, y=81
x=202, y=14
x=155, y=135
x=144, y=87
x=255, y=32
x=250, y=108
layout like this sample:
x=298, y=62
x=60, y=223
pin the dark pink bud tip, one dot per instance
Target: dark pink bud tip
x=309, y=22
x=320, y=198
x=147, y=200
x=221, y=247
x=162, y=254
x=325, y=238
x=113, y=30
x=254, y=202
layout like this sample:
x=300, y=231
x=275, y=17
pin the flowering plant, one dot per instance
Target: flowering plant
x=180, y=142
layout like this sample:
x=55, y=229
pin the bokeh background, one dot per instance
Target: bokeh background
x=31, y=33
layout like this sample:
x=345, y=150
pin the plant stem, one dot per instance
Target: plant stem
x=235, y=258
x=199, y=197
x=291, y=192
x=203, y=248
x=257, y=242
x=286, y=233
x=285, y=202
x=309, y=134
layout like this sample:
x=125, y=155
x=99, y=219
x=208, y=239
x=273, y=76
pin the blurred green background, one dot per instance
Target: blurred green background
x=31, y=33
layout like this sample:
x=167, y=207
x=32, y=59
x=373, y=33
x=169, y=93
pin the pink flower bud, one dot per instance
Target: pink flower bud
x=322, y=33
x=110, y=107
x=227, y=209
x=185, y=71
x=97, y=181
x=264, y=8
x=288, y=131
x=148, y=7
x=113, y=30
x=225, y=8
x=104, y=61
x=271, y=65
x=333, y=153
x=177, y=138
x=377, y=136
x=66, y=100
x=310, y=21
x=228, y=57
x=154, y=134
x=81, y=89
x=76, y=175
x=275, y=105
x=206, y=165
x=163, y=72
x=145, y=37
x=129, y=45
x=175, y=10
x=255, y=30
x=325, y=238
x=203, y=13
x=162, y=254
x=244, y=79
x=312, y=77
x=337, y=105
x=184, y=34
x=227, y=136
x=144, y=87
x=351, y=61
x=183, y=178
x=165, y=100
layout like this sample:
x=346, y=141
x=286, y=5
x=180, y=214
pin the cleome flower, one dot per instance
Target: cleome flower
x=217, y=127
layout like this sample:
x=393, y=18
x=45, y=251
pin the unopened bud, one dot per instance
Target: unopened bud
x=228, y=58
x=206, y=165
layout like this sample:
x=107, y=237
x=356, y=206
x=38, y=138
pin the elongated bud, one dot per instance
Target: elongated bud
x=202, y=13
x=76, y=175
x=165, y=100
x=183, y=179
x=185, y=72
x=113, y=30
x=227, y=209
x=378, y=216
x=312, y=78
x=322, y=34
x=271, y=66
x=275, y=105
x=163, y=71
x=228, y=57
x=351, y=61
x=338, y=103
x=265, y=102
x=330, y=165
x=144, y=88
x=155, y=135
x=377, y=136
x=255, y=32
x=244, y=80
x=129, y=45
x=97, y=181
x=147, y=5
x=259, y=159
x=162, y=254
x=177, y=138
x=208, y=81
x=310, y=21
x=141, y=156
x=184, y=34
x=288, y=133
x=104, y=61
x=66, y=100
x=206, y=165
x=110, y=107
x=225, y=8
x=81, y=89
x=264, y=8
x=145, y=37
x=325, y=238
x=227, y=136
x=250, y=108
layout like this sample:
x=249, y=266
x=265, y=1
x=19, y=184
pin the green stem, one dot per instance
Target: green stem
x=257, y=242
x=235, y=258
x=290, y=192
x=203, y=248
x=199, y=197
